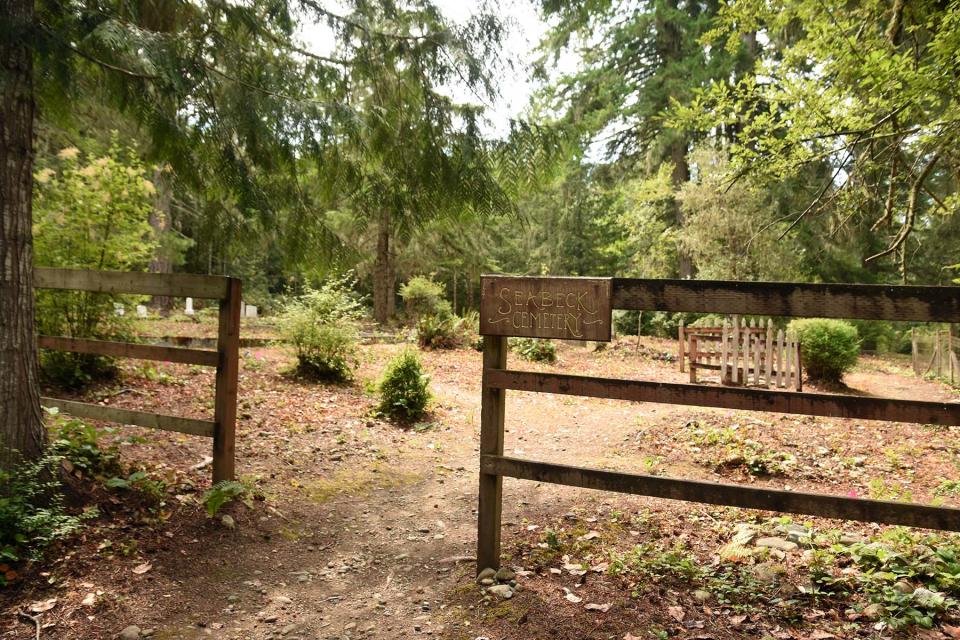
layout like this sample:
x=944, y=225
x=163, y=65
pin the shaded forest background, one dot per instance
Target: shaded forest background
x=746, y=141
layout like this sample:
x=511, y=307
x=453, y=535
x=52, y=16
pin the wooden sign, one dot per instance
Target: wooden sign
x=543, y=307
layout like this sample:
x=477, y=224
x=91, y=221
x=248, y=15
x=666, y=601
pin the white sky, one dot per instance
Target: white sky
x=525, y=30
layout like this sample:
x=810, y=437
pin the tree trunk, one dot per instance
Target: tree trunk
x=21, y=421
x=384, y=277
x=161, y=222
x=681, y=174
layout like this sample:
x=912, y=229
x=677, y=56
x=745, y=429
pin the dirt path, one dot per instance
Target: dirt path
x=369, y=531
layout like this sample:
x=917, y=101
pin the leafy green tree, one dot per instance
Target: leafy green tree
x=227, y=96
x=863, y=91
x=637, y=57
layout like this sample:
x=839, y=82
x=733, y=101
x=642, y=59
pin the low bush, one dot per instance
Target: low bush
x=32, y=513
x=534, y=349
x=404, y=391
x=77, y=442
x=226, y=491
x=320, y=325
x=828, y=348
x=424, y=297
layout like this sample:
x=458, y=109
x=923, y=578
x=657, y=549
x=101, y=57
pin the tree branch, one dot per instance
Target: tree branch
x=907, y=227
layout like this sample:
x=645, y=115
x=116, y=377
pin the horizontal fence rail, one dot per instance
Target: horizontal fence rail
x=734, y=495
x=850, y=301
x=130, y=350
x=867, y=302
x=812, y=404
x=226, y=358
x=127, y=416
x=180, y=285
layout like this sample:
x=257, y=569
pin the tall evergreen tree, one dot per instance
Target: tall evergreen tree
x=222, y=89
x=637, y=58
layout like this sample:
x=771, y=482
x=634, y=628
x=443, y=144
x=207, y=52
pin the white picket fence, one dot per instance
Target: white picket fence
x=744, y=355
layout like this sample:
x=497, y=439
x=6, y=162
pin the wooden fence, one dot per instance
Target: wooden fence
x=742, y=354
x=909, y=303
x=935, y=353
x=226, y=358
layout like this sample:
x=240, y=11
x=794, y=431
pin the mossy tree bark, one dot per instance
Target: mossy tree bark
x=21, y=421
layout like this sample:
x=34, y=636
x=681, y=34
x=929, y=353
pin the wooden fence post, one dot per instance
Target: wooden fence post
x=492, y=406
x=681, y=341
x=228, y=370
x=693, y=355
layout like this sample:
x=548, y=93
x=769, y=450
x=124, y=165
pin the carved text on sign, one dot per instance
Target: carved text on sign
x=563, y=308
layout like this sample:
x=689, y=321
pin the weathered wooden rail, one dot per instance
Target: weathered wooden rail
x=507, y=303
x=226, y=358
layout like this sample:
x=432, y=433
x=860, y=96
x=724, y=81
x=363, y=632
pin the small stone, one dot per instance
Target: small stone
x=505, y=574
x=233, y=598
x=290, y=628
x=702, y=595
x=927, y=599
x=798, y=536
x=228, y=522
x=486, y=573
x=130, y=633
x=848, y=539
x=487, y=582
x=501, y=591
x=874, y=611
x=777, y=543
x=350, y=626
x=90, y=600
x=767, y=572
x=282, y=600
x=904, y=587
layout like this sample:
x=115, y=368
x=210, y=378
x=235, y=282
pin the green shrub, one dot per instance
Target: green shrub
x=152, y=488
x=77, y=442
x=404, y=392
x=320, y=325
x=32, y=514
x=878, y=335
x=828, y=348
x=224, y=492
x=626, y=323
x=449, y=332
x=534, y=349
x=90, y=213
x=424, y=297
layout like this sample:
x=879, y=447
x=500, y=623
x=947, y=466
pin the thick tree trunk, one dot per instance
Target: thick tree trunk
x=384, y=277
x=669, y=43
x=161, y=222
x=681, y=174
x=21, y=421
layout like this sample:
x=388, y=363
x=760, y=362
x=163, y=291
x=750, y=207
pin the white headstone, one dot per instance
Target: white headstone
x=189, y=309
x=251, y=311
x=141, y=311
x=118, y=308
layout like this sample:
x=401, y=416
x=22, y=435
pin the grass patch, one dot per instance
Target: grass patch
x=357, y=482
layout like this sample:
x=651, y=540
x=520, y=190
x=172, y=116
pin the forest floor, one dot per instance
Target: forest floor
x=367, y=530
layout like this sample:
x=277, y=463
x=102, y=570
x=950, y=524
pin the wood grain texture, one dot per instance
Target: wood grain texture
x=545, y=307
x=154, y=284
x=855, y=301
x=814, y=404
x=492, y=411
x=813, y=504
x=191, y=426
x=228, y=372
x=129, y=350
